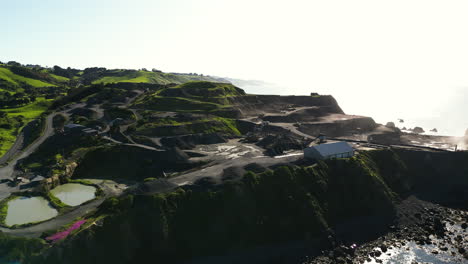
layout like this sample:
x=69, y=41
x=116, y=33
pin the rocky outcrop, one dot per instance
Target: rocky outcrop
x=390, y=125
x=58, y=177
x=418, y=130
x=340, y=127
x=253, y=105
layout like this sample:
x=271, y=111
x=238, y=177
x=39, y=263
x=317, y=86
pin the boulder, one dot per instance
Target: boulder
x=390, y=125
x=418, y=130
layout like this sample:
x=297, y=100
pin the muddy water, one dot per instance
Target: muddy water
x=24, y=210
x=74, y=194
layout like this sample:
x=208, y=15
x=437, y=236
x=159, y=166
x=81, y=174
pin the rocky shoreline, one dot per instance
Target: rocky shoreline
x=423, y=232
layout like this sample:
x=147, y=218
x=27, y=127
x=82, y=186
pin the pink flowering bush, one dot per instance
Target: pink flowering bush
x=61, y=235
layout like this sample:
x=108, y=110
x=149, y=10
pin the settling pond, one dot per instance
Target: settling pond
x=74, y=194
x=23, y=210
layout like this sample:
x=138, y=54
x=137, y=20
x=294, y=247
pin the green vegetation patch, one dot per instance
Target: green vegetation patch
x=14, y=249
x=16, y=118
x=131, y=76
x=170, y=128
x=30, y=111
x=59, y=78
x=202, y=90
x=4, y=208
x=115, y=112
x=176, y=104
x=18, y=80
x=55, y=202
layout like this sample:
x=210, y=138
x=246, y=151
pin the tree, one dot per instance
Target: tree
x=14, y=63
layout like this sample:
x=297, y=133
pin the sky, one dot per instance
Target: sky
x=385, y=59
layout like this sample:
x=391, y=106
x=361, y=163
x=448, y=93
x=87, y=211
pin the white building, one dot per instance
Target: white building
x=329, y=150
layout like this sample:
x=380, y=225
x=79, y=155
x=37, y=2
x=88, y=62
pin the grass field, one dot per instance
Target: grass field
x=29, y=113
x=59, y=78
x=17, y=80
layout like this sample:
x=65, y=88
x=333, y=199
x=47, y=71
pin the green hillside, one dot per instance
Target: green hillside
x=115, y=76
x=8, y=78
x=13, y=120
x=191, y=96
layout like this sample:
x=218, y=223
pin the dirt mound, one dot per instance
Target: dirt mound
x=189, y=141
x=255, y=167
x=131, y=162
x=233, y=173
x=85, y=112
x=277, y=144
x=310, y=114
x=159, y=185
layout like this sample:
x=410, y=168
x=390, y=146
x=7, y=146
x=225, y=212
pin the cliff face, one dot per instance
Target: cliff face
x=290, y=203
x=252, y=105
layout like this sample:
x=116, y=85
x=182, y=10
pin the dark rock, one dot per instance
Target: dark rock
x=464, y=225
x=418, y=130
x=383, y=248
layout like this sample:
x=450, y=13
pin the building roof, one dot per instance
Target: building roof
x=333, y=148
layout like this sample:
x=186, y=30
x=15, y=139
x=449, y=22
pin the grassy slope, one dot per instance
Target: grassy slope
x=29, y=112
x=151, y=77
x=17, y=80
x=59, y=78
x=176, y=104
x=191, y=96
x=171, y=128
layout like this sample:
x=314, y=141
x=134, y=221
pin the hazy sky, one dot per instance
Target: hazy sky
x=367, y=53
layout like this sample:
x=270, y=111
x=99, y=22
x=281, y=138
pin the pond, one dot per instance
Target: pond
x=24, y=210
x=74, y=194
